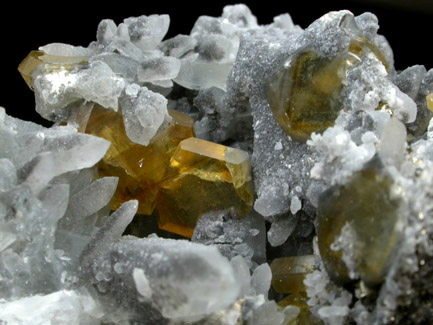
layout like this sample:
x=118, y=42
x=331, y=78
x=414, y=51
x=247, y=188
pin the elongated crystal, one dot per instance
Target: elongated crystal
x=203, y=177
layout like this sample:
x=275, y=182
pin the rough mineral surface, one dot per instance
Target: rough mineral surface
x=334, y=209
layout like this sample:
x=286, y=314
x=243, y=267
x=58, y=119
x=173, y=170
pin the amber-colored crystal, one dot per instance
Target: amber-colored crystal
x=28, y=65
x=366, y=205
x=429, y=100
x=140, y=168
x=305, y=316
x=38, y=59
x=288, y=273
x=203, y=177
x=304, y=95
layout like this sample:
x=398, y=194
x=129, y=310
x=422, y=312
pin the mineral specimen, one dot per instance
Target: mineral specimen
x=221, y=175
x=288, y=273
x=359, y=226
x=140, y=168
x=304, y=94
x=337, y=228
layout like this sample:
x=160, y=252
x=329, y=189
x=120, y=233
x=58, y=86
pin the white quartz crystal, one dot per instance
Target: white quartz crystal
x=61, y=307
x=143, y=114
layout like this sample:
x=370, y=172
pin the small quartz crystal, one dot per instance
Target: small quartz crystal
x=203, y=177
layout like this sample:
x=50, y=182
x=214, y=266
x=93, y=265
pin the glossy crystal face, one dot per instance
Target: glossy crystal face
x=202, y=177
x=365, y=214
x=304, y=93
x=140, y=168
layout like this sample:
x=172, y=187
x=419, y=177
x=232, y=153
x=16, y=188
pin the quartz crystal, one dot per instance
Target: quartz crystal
x=304, y=94
x=140, y=168
x=222, y=176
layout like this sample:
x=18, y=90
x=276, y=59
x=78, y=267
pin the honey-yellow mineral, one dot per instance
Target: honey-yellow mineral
x=305, y=317
x=140, y=168
x=288, y=273
x=202, y=177
x=304, y=94
x=366, y=213
x=41, y=60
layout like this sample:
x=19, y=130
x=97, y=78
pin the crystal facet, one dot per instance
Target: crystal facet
x=203, y=177
x=37, y=59
x=358, y=226
x=140, y=168
x=304, y=94
x=288, y=273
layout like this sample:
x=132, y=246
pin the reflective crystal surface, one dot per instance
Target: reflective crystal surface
x=304, y=93
x=47, y=62
x=203, y=177
x=140, y=168
x=288, y=273
x=358, y=226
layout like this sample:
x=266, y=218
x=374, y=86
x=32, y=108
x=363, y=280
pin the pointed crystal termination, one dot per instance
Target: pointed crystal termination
x=203, y=177
x=288, y=273
x=369, y=207
x=36, y=60
x=28, y=65
x=140, y=168
x=304, y=94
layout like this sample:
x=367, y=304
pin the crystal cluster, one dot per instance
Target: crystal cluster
x=241, y=174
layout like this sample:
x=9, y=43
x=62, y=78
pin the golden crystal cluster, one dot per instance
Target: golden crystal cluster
x=180, y=176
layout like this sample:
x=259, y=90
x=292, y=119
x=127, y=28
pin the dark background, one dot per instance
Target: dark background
x=407, y=25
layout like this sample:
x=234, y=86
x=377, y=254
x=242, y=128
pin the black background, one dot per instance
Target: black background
x=24, y=27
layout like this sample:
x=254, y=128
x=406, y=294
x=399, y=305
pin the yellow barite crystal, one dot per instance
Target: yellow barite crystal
x=40, y=59
x=429, y=100
x=305, y=316
x=288, y=273
x=140, y=168
x=371, y=216
x=203, y=177
x=304, y=95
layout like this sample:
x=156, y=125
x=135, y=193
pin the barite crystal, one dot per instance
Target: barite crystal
x=202, y=177
x=140, y=168
x=288, y=273
x=299, y=300
x=47, y=62
x=358, y=226
x=304, y=93
x=429, y=100
x=347, y=215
